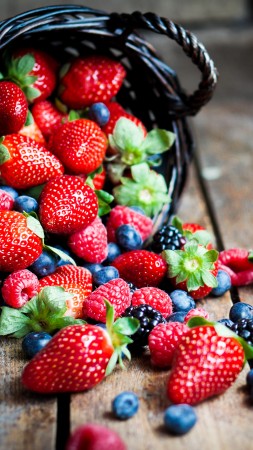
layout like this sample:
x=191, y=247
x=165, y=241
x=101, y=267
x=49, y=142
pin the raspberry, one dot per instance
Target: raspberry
x=116, y=291
x=196, y=312
x=155, y=297
x=163, y=340
x=92, y=436
x=19, y=287
x=123, y=215
x=6, y=201
x=90, y=243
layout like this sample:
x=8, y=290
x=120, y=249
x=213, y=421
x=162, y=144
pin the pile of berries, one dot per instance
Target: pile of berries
x=79, y=264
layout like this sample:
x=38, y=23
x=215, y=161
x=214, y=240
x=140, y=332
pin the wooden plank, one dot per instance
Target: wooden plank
x=27, y=421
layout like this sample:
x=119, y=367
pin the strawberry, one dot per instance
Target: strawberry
x=34, y=71
x=154, y=297
x=74, y=279
x=93, y=436
x=116, y=112
x=98, y=79
x=141, y=267
x=80, y=145
x=20, y=241
x=163, y=340
x=47, y=117
x=116, y=291
x=123, y=215
x=206, y=362
x=6, y=201
x=192, y=269
x=25, y=163
x=19, y=287
x=90, y=243
x=67, y=205
x=79, y=356
x=33, y=132
x=13, y=108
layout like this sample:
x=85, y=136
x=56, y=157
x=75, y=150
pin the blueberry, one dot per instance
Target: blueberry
x=249, y=379
x=33, y=342
x=25, y=203
x=45, y=264
x=241, y=310
x=179, y=419
x=113, y=252
x=99, y=113
x=14, y=194
x=62, y=261
x=226, y=322
x=93, y=268
x=125, y=405
x=182, y=301
x=224, y=283
x=178, y=316
x=128, y=237
x=105, y=274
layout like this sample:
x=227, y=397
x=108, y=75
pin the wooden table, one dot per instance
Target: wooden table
x=222, y=201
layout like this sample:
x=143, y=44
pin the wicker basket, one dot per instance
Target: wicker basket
x=151, y=90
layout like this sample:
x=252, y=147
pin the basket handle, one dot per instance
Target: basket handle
x=194, y=50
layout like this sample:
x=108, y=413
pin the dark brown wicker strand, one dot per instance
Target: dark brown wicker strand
x=151, y=90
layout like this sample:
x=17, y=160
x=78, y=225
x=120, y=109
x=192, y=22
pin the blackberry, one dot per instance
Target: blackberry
x=132, y=287
x=244, y=329
x=149, y=318
x=167, y=238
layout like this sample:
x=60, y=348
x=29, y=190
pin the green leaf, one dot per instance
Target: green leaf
x=201, y=236
x=172, y=257
x=35, y=191
x=211, y=256
x=60, y=253
x=250, y=256
x=34, y=225
x=109, y=315
x=31, y=93
x=126, y=352
x=4, y=154
x=127, y=135
x=24, y=64
x=60, y=106
x=104, y=196
x=29, y=119
x=112, y=363
x=194, y=281
x=73, y=115
x=64, y=70
x=103, y=208
x=55, y=297
x=12, y=320
x=27, y=81
x=2, y=76
x=198, y=322
x=126, y=325
x=140, y=172
x=157, y=141
x=209, y=279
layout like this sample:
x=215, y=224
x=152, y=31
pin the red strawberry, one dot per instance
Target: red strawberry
x=38, y=75
x=19, y=287
x=47, y=117
x=6, y=201
x=93, y=436
x=67, y=205
x=25, y=163
x=141, y=267
x=20, y=246
x=192, y=269
x=90, y=243
x=80, y=145
x=74, y=279
x=196, y=312
x=116, y=112
x=98, y=179
x=33, y=132
x=116, y=291
x=90, y=80
x=123, y=215
x=163, y=340
x=192, y=227
x=191, y=230
x=205, y=364
x=13, y=108
x=79, y=356
x=154, y=297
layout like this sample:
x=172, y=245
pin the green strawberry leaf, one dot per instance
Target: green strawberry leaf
x=157, y=141
x=60, y=253
x=104, y=199
x=54, y=297
x=12, y=320
x=209, y=279
x=127, y=135
x=201, y=236
x=28, y=80
x=34, y=225
x=4, y=154
x=24, y=65
x=112, y=363
x=140, y=172
x=35, y=191
x=109, y=315
x=29, y=119
x=2, y=76
x=31, y=93
x=126, y=326
x=60, y=106
x=250, y=256
x=73, y=115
